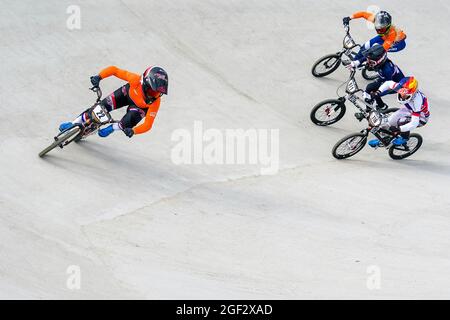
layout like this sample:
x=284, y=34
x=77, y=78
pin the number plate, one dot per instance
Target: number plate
x=374, y=119
x=351, y=86
x=99, y=115
x=348, y=42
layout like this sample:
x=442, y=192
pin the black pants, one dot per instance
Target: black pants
x=119, y=99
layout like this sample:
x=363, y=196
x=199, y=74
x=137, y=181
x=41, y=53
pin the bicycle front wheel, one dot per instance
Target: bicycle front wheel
x=327, y=112
x=326, y=65
x=349, y=145
x=62, y=140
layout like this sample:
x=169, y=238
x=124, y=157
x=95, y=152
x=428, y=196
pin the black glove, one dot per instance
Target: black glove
x=128, y=132
x=95, y=80
x=346, y=20
x=395, y=130
x=374, y=95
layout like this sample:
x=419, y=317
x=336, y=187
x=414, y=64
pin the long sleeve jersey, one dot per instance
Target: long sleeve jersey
x=418, y=106
x=136, y=94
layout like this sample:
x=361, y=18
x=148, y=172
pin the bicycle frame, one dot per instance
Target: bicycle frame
x=97, y=116
x=351, y=91
x=94, y=121
x=377, y=130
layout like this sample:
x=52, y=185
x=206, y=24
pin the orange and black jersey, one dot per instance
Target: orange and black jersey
x=137, y=96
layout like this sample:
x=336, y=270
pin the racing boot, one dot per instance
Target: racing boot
x=65, y=126
x=374, y=143
x=104, y=132
x=399, y=141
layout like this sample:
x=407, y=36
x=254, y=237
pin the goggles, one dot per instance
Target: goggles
x=383, y=31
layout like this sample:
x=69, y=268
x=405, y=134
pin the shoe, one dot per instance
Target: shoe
x=399, y=141
x=65, y=126
x=383, y=107
x=104, y=132
x=359, y=116
x=368, y=100
x=374, y=143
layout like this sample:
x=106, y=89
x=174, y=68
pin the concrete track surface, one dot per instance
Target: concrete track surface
x=139, y=226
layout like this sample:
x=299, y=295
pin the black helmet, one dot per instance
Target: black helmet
x=383, y=21
x=156, y=79
x=376, y=56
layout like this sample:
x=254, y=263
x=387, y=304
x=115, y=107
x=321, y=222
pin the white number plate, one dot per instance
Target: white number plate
x=100, y=115
x=351, y=86
x=375, y=119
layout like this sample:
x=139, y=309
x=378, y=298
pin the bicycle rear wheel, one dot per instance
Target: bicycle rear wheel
x=62, y=139
x=369, y=74
x=404, y=151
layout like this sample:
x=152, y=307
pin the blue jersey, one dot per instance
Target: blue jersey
x=390, y=72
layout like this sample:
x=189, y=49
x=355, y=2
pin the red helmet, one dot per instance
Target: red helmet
x=406, y=89
x=156, y=79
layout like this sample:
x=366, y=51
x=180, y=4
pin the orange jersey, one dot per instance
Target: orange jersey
x=136, y=94
x=394, y=34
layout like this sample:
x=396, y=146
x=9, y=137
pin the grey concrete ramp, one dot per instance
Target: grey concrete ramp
x=137, y=225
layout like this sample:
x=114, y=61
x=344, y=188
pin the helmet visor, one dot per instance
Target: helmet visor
x=372, y=63
x=382, y=30
x=404, y=95
x=157, y=82
x=161, y=86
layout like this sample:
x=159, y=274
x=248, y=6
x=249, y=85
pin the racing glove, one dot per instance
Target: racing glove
x=95, y=80
x=375, y=94
x=352, y=65
x=128, y=132
x=346, y=20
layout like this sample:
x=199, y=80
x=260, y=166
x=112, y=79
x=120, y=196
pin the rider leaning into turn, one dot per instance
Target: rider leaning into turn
x=389, y=36
x=378, y=60
x=414, y=112
x=142, y=94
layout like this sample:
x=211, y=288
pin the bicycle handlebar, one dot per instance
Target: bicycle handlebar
x=347, y=28
x=98, y=91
